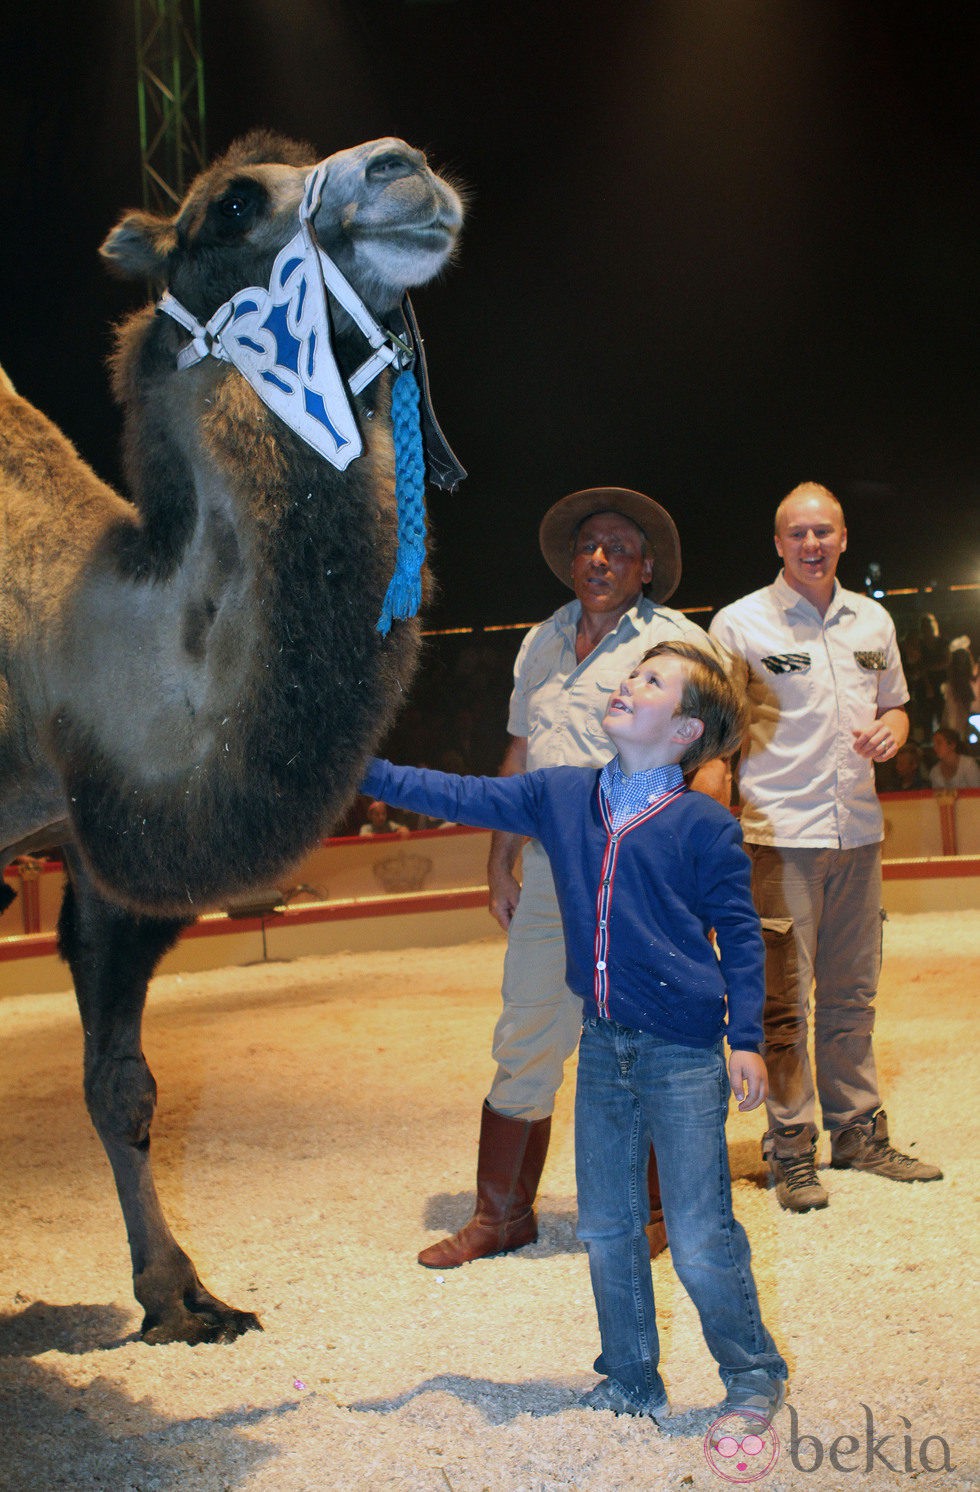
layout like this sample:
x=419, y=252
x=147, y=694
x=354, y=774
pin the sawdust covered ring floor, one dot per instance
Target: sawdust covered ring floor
x=355, y=1145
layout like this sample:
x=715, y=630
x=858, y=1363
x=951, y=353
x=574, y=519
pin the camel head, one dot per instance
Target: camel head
x=384, y=217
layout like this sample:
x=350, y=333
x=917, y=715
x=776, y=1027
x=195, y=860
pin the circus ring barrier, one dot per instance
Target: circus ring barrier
x=429, y=889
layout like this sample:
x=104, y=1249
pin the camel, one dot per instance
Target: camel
x=190, y=682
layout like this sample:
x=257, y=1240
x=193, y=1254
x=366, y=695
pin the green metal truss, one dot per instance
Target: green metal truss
x=170, y=93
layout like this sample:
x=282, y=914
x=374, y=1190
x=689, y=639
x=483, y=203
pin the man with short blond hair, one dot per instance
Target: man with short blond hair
x=827, y=697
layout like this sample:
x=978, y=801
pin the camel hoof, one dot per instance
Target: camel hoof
x=216, y=1323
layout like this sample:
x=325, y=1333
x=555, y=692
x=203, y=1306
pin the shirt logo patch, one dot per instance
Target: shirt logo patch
x=787, y=663
x=875, y=660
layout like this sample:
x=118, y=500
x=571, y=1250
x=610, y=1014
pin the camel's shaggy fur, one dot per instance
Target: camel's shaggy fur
x=194, y=680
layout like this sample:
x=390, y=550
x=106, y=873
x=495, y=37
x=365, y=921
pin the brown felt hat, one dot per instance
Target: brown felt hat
x=562, y=520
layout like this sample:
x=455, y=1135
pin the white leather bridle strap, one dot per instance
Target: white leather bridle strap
x=387, y=347
x=279, y=339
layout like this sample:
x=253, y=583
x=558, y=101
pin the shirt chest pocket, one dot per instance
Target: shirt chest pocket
x=541, y=688
x=784, y=681
x=779, y=665
x=593, y=703
x=536, y=675
x=867, y=678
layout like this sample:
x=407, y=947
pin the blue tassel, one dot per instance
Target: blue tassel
x=404, y=594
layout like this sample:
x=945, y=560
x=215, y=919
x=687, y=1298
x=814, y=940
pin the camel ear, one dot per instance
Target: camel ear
x=139, y=246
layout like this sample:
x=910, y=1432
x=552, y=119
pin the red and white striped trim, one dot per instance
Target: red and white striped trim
x=614, y=838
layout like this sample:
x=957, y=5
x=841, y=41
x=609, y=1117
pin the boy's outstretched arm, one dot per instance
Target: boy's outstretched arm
x=483, y=802
x=748, y=1079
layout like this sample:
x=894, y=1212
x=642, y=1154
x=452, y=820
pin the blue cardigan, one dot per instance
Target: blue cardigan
x=636, y=904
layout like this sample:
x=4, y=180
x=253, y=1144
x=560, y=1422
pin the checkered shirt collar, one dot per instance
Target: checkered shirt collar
x=628, y=796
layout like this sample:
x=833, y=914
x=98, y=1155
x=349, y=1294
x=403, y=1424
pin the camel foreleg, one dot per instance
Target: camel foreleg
x=112, y=954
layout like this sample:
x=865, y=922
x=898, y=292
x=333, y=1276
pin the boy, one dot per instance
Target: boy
x=644, y=868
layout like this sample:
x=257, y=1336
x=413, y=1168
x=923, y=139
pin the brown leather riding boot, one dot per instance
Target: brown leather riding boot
x=656, y=1228
x=508, y=1169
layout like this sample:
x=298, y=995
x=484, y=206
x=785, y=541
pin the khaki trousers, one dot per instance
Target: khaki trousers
x=821, y=921
x=540, y=1024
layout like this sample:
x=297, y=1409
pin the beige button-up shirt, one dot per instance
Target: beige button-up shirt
x=558, y=703
x=812, y=681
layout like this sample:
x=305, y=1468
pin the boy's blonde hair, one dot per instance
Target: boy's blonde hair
x=710, y=694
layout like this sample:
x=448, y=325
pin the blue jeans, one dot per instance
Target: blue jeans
x=634, y=1088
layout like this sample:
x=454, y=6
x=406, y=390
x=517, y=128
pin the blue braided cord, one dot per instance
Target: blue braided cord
x=404, y=594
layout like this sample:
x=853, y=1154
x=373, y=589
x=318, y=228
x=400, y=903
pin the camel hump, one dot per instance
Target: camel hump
x=6, y=385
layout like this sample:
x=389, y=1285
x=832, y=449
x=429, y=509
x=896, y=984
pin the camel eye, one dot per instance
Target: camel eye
x=232, y=214
x=233, y=207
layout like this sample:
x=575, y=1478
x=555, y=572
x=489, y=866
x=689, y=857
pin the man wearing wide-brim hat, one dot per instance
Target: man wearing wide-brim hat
x=619, y=551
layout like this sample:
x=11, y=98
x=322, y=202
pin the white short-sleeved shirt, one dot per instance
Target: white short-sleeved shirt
x=558, y=703
x=812, y=681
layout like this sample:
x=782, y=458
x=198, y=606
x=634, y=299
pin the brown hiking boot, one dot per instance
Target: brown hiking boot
x=509, y=1165
x=656, y=1231
x=791, y=1151
x=656, y=1227
x=865, y=1147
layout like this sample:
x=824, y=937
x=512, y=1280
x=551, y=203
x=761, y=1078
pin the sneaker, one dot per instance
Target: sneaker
x=622, y=1400
x=756, y=1394
x=865, y=1147
x=791, y=1152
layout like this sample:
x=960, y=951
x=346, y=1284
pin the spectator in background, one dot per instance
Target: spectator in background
x=907, y=774
x=378, y=821
x=960, y=689
x=952, y=770
x=934, y=658
x=922, y=705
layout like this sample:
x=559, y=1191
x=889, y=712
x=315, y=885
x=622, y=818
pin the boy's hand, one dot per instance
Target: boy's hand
x=748, y=1079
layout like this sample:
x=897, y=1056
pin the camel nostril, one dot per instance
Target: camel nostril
x=389, y=166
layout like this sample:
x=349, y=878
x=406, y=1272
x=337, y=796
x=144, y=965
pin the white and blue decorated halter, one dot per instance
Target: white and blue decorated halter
x=279, y=340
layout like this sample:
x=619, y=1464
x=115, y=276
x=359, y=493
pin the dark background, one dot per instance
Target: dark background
x=713, y=249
